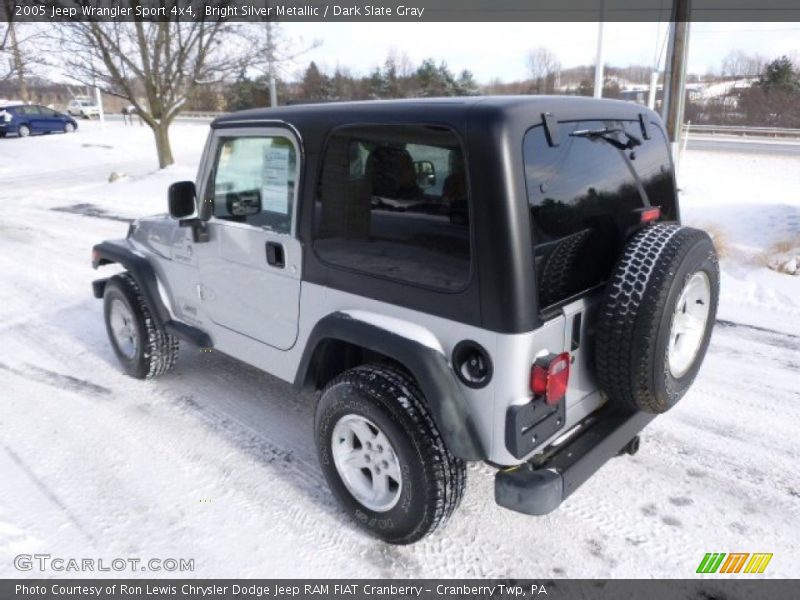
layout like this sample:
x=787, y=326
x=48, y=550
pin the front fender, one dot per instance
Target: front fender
x=119, y=251
x=420, y=353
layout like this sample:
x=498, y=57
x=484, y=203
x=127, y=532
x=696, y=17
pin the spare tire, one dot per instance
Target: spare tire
x=655, y=319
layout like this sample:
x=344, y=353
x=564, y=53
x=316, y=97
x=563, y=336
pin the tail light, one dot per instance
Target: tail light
x=550, y=377
x=649, y=215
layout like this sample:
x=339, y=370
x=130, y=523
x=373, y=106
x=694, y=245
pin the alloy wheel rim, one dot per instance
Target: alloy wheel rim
x=689, y=324
x=123, y=328
x=366, y=462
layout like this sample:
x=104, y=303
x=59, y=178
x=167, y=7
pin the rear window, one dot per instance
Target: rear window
x=583, y=195
x=392, y=203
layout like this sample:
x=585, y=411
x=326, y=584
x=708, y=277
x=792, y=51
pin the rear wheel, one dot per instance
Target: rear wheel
x=383, y=456
x=23, y=131
x=143, y=349
x=655, y=320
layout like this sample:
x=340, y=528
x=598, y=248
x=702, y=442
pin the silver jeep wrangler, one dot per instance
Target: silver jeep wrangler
x=482, y=279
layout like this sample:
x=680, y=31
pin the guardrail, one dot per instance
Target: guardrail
x=195, y=114
x=777, y=132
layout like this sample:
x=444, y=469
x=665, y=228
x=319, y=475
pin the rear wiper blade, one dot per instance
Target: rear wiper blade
x=608, y=134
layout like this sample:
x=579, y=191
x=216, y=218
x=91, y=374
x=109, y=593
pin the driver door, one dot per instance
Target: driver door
x=250, y=268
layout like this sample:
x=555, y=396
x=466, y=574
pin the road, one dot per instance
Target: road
x=719, y=143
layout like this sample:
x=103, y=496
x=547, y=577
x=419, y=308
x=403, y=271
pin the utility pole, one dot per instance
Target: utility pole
x=675, y=73
x=598, y=63
x=273, y=91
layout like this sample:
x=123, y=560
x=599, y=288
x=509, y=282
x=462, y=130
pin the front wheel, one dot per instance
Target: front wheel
x=143, y=348
x=69, y=128
x=24, y=131
x=383, y=456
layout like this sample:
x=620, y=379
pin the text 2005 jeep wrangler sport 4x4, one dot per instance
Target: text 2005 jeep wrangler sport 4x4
x=493, y=279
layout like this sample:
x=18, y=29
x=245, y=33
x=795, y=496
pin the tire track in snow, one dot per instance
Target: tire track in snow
x=57, y=380
x=47, y=492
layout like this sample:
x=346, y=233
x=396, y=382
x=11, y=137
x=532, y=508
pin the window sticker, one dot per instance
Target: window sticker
x=275, y=190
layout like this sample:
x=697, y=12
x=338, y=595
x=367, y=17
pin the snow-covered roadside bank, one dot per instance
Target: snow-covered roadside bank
x=751, y=203
x=216, y=462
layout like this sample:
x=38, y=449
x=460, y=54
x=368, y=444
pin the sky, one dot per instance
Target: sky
x=498, y=50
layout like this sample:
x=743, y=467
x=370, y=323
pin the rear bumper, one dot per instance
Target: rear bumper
x=540, y=486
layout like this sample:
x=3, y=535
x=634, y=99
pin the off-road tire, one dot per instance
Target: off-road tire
x=158, y=351
x=433, y=479
x=635, y=316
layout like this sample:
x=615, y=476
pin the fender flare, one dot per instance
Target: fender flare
x=426, y=363
x=118, y=251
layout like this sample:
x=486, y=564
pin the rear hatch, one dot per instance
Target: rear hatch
x=591, y=185
x=587, y=195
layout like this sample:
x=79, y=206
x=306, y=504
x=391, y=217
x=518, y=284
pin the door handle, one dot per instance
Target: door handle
x=275, y=255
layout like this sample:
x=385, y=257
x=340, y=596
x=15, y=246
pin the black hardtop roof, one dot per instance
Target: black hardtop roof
x=313, y=117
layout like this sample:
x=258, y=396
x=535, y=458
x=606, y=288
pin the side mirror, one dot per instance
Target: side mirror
x=426, y=173
x=182, y=200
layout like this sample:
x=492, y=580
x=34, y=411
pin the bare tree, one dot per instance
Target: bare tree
x=16, y=60
x=740, y=64
x=543, y=67
x=6, y=63
x=154, y=65
x=274, y=53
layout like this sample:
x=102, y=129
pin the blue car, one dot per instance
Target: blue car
x=26, y=119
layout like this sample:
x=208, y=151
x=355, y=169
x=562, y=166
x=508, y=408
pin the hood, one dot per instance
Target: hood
x=155, y=234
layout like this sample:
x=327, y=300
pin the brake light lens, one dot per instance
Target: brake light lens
x=550, y=377
x=650, y=214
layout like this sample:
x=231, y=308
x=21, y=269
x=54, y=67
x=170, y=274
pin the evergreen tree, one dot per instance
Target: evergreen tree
x=780, y=74
x=376, y=85
x=315, y=86
x=466, y=84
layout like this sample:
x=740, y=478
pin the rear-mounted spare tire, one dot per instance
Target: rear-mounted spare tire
x=655, y=319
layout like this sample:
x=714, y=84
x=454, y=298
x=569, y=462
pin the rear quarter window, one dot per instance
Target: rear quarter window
x=583, y=196
x=392, y=203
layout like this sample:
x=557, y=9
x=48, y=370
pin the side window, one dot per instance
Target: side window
x=31, y=110
x=254, y=180
x=392, y=202
x=582, y=196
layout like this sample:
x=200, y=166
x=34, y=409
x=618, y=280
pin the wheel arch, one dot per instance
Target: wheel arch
x=347, y=339
x=140, y=269
x=119, y=252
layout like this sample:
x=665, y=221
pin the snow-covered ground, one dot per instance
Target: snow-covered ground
x=216, y=461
